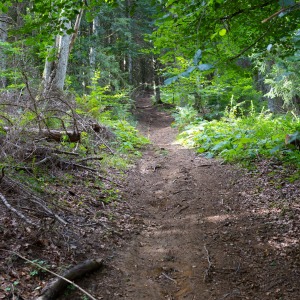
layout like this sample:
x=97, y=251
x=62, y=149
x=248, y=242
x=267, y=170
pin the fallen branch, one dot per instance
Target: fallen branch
x=54, y=135
x=34, y=198
x=55, y=287
x=207, y=274
x=90, y=158
x=182, y=209
x=18, y=213
x=168, y=277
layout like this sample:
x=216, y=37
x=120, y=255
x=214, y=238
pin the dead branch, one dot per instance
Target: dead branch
x=16, y=211
x=48, y=151
x=98, y=136
x=207, y=274
x=54, y=135
x=296, y=6
x=90, y=158
x=168, y=277
x=56, y=286
x=34, y=199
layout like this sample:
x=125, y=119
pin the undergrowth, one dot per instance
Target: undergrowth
x=37, y=162
x=239, y=138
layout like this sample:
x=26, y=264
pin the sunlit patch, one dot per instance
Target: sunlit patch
x=169, y=232
x=284, y=242
x=264, y=212
x=218, y=218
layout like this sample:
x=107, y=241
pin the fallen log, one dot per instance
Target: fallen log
x=59, y=136
x=55, y=135
x=56, y=286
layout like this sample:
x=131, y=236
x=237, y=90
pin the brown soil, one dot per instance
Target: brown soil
x=203, y=230
x=190, y=228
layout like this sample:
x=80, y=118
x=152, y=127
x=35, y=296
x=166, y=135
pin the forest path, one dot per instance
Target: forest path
x=181, y=199
x=202, y=231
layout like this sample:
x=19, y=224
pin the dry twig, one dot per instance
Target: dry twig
x=207, y=275
x=18, y=213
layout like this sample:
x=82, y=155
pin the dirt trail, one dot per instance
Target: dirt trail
x=180, y=196
x=199, y=235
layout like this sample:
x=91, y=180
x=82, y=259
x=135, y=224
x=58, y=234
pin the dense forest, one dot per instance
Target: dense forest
x=72, y=73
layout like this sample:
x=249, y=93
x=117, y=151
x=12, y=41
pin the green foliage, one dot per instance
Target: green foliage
x=184, y=116
x=112, y=110
x=229, y=32
x=243, y=138
x=37, y=271
x=128, y=137
x=103, y=104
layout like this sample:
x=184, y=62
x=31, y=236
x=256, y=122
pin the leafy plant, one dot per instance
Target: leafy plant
x=42, y=263
x=243, y=138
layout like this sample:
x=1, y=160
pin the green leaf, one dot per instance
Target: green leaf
x=170, y=80
x=188, y=72
x=205, y=67
x=222, y=32
x=220, y=145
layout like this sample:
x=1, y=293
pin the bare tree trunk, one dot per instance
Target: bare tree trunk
x=3, y=58
x=55, y=71
x=93, y=53
x=130, y=69
x=63, y=45
x=156, y=82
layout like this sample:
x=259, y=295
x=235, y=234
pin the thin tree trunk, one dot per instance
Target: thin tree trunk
x=130, y=69
x=3, y=58
x=93, y=52
x=55, y=71
x=156, y=82
x=76, y=29
x=63, y=45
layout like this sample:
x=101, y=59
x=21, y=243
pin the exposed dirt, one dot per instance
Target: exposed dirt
x=186, y=228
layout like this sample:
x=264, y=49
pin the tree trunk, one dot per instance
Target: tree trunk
x=130, y=69
x=63, y=45
x=55, y=71
x=156, y=82
x=3, y=58
x=93, y=51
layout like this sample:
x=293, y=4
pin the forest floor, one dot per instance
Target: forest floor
x=187, y=227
